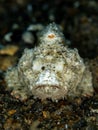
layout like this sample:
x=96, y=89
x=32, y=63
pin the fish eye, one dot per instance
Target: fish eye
x=59, y=66
x=37, y=65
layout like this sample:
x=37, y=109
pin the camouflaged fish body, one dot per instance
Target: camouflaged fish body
x=50, y=70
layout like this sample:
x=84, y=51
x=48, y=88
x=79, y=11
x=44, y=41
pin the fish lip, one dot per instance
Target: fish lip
x=54, y=95
x=45, y=85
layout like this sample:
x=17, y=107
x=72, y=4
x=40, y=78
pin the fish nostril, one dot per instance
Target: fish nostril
x=43, y=67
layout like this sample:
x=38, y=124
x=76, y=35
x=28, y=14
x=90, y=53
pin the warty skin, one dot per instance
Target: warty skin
x=50, y=70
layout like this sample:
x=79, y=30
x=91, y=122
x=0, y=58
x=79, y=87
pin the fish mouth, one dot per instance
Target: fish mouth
x=49, y=91
x=50, y=86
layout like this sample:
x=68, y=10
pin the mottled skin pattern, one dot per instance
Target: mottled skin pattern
x=50, y=70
